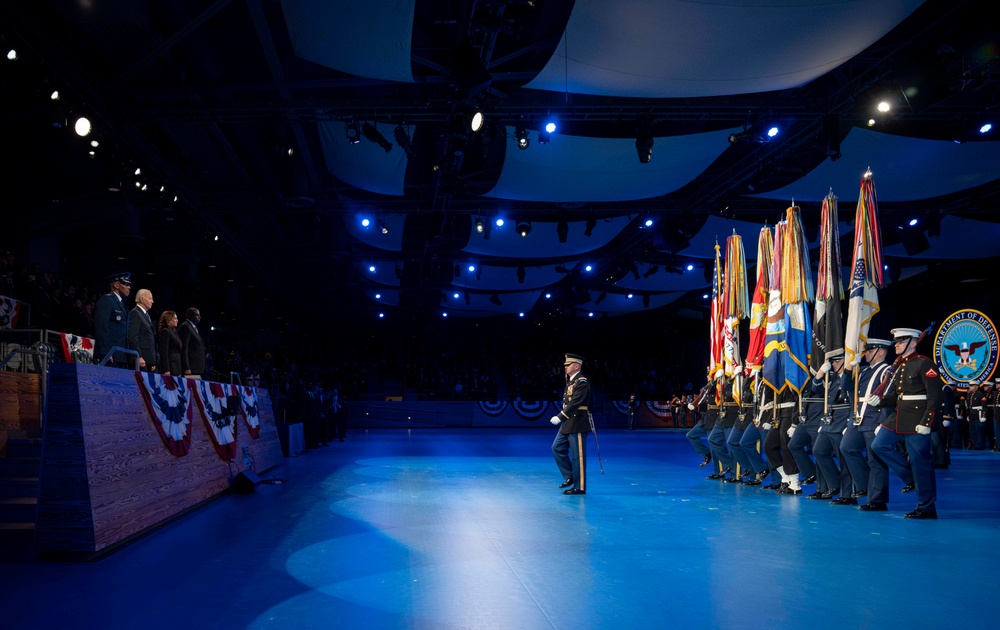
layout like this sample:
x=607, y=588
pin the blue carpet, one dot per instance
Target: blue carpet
x=467, y=529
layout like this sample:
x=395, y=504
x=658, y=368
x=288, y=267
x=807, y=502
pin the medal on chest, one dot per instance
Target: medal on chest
x=569, y=390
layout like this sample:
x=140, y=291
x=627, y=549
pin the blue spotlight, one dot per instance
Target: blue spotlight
x=378, y=296
x=381, y=315
x=454, y=295
x=773, y=131
x=588, y=268
x=444, y=314
x=499, y=222
x=371, y=268
x=629, y=296
x=365, y=222
x=690, y=267
x=704, y=296
x=550, y=127
x=913, y=222
x=986, y=128
x=472, y=268
x=590, y=314
x=520, y=314
x=548, y=296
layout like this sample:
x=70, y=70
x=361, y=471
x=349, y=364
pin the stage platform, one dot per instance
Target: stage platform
x=466, y=528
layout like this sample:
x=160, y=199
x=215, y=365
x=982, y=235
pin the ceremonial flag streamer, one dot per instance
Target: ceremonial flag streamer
x=796, y=293
x=758, y=310
x=735, y=307
x=828, y=324
x=169, y=404
x=775, y=348
x=866, y=272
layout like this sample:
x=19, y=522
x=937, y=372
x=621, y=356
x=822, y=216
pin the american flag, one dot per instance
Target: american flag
x=716, y=333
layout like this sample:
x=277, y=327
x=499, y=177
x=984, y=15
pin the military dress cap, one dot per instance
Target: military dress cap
x=905, y=333
x=124, y=277
x=973, y=383
x=573, y=358
x=835, y=355
x=873, y=343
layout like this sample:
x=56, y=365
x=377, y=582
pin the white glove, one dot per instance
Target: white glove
x=874, y=400
x=823, y=369
x=878, y=428
x=791, y=430
x=555, y=420
x=923, y=429
x=982, y=419
x=766, y=426
x=947, y=423
x=691, y=406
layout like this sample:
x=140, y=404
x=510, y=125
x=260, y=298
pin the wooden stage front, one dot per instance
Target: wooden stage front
x=106, y=475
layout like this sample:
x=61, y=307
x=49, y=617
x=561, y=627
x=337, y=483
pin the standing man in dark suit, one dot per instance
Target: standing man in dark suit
x=111, y=320
x=192, y=345
x=141, y=332
x=574, y=425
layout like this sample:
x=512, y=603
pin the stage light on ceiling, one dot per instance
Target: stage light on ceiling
x=523, y=141
x=562, y=230
x=524, y=228
x=403, y=140
x=630, y=295
x=520, y=274
x=378, y=296
x=374, y=135
x=474, y=119
x=499, y=222
x=652, y=269
x=913, y=222
x=382, y=227
x=704, y=296
x=521, y=314
x=455, y=295
x=588, y=268
x=11, y=55
x=590, y=314
x=472, y=268
x=548, y=296
x=772, y=132
x=591, y=224
x=601, y=297
x=371, y=268
x=55, y=95
x=381, y=315
x=644, y=147
x=365, y=222
x=871, y=122
x=550, y=127
x=648, y=222
x=444, y=314
x=883, y=106
x=479, y=225
x=82, y=126
x=986, y=128
x=352, y=131
x=495, y=299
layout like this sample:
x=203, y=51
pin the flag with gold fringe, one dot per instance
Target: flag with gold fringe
x=796, y=293
x=866, y=272
x=735, y=306
x=716, y=349
x=775, y=346
x=758, y=309
x=828, y=320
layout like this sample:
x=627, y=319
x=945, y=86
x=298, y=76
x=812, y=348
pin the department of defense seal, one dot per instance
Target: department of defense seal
x=965, y=348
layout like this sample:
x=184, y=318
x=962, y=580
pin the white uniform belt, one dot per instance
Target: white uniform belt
x=812, y=400
x=767, y=406
x=976, y=408
x=914, y=397
x=786, y=405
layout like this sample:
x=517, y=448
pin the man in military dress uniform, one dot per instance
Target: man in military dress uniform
x=111, y=320
x=747, y=456
x=978, y=400
x=574, y=425
x=941, y=437
x=871, y=477
x=833, y=422
x=776, y=442
x=720, y=433
x=915, y=392
x=705, y=422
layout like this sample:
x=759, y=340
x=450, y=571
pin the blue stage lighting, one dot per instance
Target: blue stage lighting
x=371, y=268
x=773, y=131
x=913, y=222
x=986, y=128
x=550, y=127
x=499, y=222
x=378, y=296
x=588, y=268
x=365, y=222
x=690, y=267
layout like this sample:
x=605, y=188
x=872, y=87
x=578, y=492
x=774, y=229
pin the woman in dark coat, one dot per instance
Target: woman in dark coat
x=169, y=344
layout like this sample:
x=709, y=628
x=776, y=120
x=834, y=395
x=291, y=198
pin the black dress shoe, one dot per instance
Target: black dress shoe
x=745, y=473
x=829, y=494
x=844, y=501
x=808, y=480
x=566, y=484
x=856, y=495
x=761, y=476
x=772, y=486
x=730, y=480
x=705, y=461
x=921, y=515
x=816, y=496
x=574, y=491
x=909, y=488
x=749, y=482
x=789, y=490
x=715, y=476
x=873, y=507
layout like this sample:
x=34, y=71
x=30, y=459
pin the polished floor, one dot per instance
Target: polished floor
x=436, y=528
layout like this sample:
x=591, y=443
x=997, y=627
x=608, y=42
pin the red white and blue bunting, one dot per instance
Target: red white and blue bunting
x=169, y=404
x=248, y=396
x=532, y=410
x=493, y=408
x=220, y=419
x=73, y=343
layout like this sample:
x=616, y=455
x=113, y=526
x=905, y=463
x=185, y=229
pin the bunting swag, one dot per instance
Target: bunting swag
x=248, y=396
x=866, y=274
x=10, y=311
x=219, y=419
x=758, y=310
x=73, y=343
x=168, y=402
x=828, y=330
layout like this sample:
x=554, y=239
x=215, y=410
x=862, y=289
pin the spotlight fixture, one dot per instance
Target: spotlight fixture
x=749, y=135
x=479, y=225
x=373, y=135
x=82, y=126
x=562, y=229
x=468, y=300
x=591, y=224
x=495, y=299
x=644, y=146
x=382, y=227
x=600, y=298
x=524, y=228
x=403, y=140
x=479, y=272
x=634, y=269
x=653, y=269
x=353, y=132
x=520, y=274
x=523, y=141
x=474, y=119
x=544, y=136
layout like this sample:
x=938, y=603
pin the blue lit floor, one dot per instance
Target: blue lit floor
x=467, y=529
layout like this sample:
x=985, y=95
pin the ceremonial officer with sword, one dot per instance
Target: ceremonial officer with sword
x=574, y=422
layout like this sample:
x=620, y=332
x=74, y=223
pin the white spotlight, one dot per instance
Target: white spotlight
x=82, y=127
